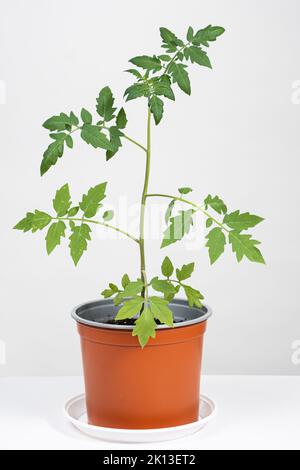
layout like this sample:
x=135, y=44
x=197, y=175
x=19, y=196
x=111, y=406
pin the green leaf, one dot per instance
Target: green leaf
x=113, y=287
x=194, y=296
x=69, y=141
x=180, y=76
x=161, y=311
x=53, y=238
x=146, y=62
x=86, y=116
x=216, y=243
x=196, y=54
x=130, y=308
x=136, y=91
x=135, y=72
x=25, y=224
x=34, y=221
x=179, y=226
x=244, y=245
x=209, y=222
x=58, y=123
x=238, y=221
x=162, y=285
x=73, y=211
x=169, y=211
x=133, y=288
x=62, y=200
x=144, y=327
x=184, y=190
x=108, y=215
x=105, y=102
x=162, y=87
x=107, y=293
x=121, y=120
x=157, y=108
x=90, y=201
x=170, y=40
x=216, y=204
x=125, y=280
x=190, y=34
x=54, y=151
x=185, y=272
x=58, y=136
x=74, y=119
x=115, y=141
x=165, y=57
x=78, y=241
x=93, y=136
x=167, y=267
x=208, y=34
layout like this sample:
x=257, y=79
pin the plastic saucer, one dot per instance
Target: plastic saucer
x=75, y=412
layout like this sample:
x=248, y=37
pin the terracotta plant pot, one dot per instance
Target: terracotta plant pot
x=133, y=388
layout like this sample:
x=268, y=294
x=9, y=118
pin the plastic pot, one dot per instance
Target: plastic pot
x=133, y=388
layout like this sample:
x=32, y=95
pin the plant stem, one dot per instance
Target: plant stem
x=199, y=208
x=135, y=142
x=104, y=224
x=143, y=206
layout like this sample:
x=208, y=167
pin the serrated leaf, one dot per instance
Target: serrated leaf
x=115, y=141
x=169, y=211
x=133, y=288
x=105, y=102
x=167, y=267
x=73, y=119
x=93, y=136
x=73, y=211
x=162, y=87
x=161, y=311
x=121, y=120
x=107, y=293
x=244, y=221
x=135, y=72
x=184, y=190
x=170, y=40
x=57, y=123
x=136, y=91
x=53, y=238
x=216, y=243
x=146, y=62
x=216, y=204
x=208, y=34
x=165, y=57
x=157, y=108
x=78, y=241
x=179, y=226
x=25, y=224
x=108, y=215
x=130, y=308
x=145, y=327
x=53, y=152
x=185, y=272
x=194, y=296
x=62, y=200
x=125, y=280
x=113, y=287
x=180, y=76
x=58, y=136
x=245, y=245
x=90, y=201
x=196, y=54
x=86, y=116
x=162, y=285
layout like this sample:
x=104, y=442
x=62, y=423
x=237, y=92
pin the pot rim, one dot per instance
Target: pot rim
x=204, y=313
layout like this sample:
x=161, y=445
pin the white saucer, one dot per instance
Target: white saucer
x=75, y=412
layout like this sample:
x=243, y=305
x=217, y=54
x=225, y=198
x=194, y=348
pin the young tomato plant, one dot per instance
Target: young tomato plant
x=156, y=77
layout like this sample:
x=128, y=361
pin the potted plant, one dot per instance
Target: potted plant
x=127, y=384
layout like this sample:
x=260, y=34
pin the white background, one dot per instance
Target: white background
x=236, y=136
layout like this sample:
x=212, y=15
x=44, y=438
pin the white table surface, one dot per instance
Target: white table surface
x=254, y=412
